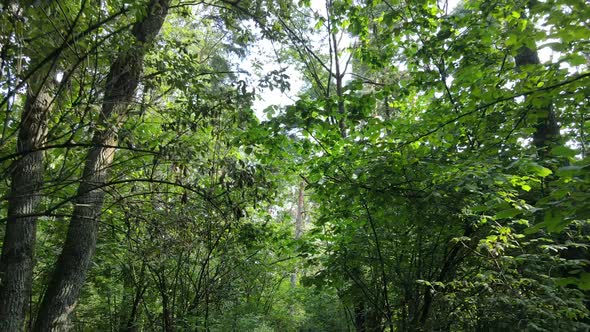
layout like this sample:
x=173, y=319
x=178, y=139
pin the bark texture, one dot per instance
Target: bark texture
x=18, y=250
x=73, y=263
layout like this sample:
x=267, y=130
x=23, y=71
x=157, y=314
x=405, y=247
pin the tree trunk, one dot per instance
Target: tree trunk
x=546, y=136
x=72, y=265
x=339, y=88
x=167, y=314
x=359, y=315
x=299, y=223
x=546, y=133
x=16, y=264
x=134, y=290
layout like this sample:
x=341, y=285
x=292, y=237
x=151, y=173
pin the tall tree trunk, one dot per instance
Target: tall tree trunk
x=72, y=265
x=167, y=314
x=359, y=315
x=299, y=223
x=546, y=133
x=547, y=136
x=16, y=264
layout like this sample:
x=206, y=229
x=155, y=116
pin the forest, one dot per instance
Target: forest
x=294, y=165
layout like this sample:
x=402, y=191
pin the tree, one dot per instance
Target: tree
x=80, y=244
x=439, y=163
x=440, y=151
x=26, y=183
x=17, y=261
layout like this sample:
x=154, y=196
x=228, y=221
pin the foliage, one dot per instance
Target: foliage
x=437, y=196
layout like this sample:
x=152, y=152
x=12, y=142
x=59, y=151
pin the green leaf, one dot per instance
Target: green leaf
x=584, y=281
x=563, y=151
x=539, y=170
x=534, y=229
x=554, y=221
x=577, y=59
x=320, y=23
x=569, y=171
x=509, y=213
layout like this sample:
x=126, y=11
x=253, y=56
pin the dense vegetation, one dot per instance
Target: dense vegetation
x=431, y=175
